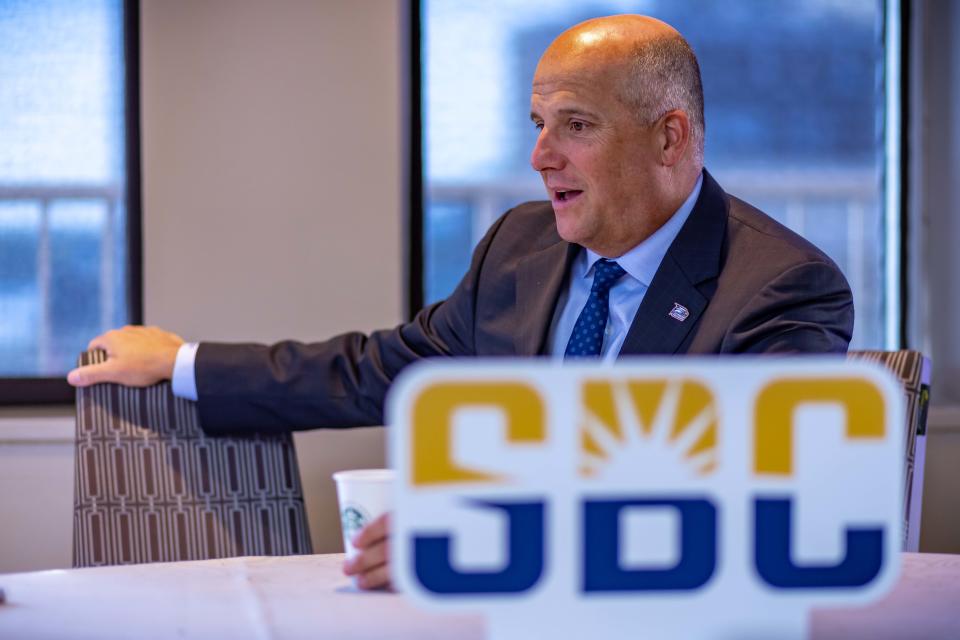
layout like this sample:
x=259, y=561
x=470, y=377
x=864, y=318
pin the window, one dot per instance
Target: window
x=796, y=114
x=68, y=186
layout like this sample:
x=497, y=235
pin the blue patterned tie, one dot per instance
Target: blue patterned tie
x=587, y=337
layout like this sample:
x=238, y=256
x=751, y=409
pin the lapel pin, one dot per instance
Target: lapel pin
x=679, y=312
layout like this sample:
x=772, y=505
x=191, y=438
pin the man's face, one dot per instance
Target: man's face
x=597, y=161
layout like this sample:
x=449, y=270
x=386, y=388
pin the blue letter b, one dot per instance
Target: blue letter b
x=602, y=570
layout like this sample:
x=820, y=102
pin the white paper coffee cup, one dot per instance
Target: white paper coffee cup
x=363, y=495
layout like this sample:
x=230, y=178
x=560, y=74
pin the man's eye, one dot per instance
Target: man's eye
x=538, y=125
x=577, y=126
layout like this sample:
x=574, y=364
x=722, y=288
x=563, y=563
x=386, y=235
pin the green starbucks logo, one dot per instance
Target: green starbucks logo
x=353, y=519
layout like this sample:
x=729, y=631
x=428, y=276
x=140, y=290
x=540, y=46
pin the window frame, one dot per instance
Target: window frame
x=898, y=88
x=414, y=165
x=21, y=391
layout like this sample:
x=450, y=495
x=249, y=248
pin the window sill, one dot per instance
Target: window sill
x=37, y=425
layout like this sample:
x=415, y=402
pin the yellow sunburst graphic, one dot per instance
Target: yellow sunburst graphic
x=659, y=427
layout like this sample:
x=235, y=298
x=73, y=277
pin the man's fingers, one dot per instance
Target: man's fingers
x=92, y=374
x=369, y=558
x=377, y=578
x=137, y=357
x=373, y=533
x=371, y=565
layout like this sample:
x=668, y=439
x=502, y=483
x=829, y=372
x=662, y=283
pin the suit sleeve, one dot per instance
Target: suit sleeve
x=341, y=382
x=806, y=309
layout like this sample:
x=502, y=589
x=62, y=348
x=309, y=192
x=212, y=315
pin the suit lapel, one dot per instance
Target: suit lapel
x=654, y=330
x=539, y=278
x=692, y=259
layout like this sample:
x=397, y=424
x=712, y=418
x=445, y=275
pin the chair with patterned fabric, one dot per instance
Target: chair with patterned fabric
x=151, y=487
x=913, y=370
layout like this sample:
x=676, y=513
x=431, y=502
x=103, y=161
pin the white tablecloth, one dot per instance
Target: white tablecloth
x=307, y=596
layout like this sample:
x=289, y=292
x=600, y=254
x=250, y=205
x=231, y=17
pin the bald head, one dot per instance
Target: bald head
x=618, y=106
x=648, y=61
x=611, y=38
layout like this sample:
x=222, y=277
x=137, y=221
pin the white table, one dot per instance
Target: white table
x=307, y=596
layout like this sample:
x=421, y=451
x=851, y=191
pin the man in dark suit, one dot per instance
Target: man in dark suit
x=639, y=251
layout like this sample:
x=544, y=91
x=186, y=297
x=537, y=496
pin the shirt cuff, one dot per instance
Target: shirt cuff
x=184, y=382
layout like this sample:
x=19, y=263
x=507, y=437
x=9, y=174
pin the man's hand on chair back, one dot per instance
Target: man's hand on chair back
x=136, y=356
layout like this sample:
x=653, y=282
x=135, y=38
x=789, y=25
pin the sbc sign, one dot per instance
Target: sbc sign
x=665, y=498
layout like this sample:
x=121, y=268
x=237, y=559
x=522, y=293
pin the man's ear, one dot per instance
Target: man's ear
x=675, y=136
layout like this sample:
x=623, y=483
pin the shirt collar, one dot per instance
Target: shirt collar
x=643, y=260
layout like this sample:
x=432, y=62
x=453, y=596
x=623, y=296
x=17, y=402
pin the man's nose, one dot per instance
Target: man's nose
x=545, y=155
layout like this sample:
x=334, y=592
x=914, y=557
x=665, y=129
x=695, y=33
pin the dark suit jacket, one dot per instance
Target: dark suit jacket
x=750, y=284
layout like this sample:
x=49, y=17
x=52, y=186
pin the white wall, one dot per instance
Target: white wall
x=272, y=185
x=271, y=162
x=36, y=488
x=933, y=292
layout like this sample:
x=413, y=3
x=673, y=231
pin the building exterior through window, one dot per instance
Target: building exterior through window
x=63, y=243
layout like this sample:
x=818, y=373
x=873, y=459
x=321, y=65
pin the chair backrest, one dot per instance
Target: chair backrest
x=151, y=487
x=913, y=370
